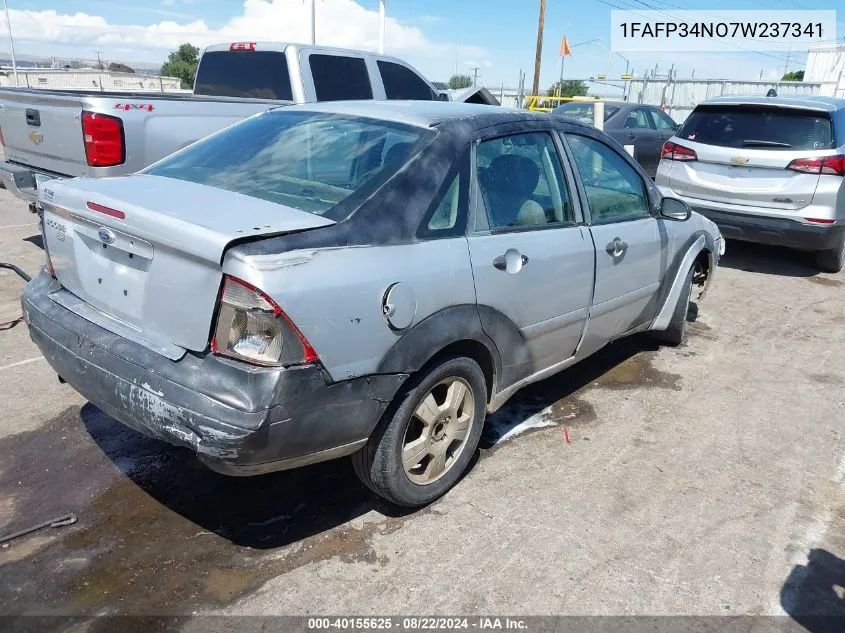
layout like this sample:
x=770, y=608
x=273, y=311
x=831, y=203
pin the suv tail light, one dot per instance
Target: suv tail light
x=253, y=328
x=673, y=151
x=103, y=136
x=829, y=165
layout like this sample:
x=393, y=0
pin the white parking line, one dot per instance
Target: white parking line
x=17, y=226
x=22, y=362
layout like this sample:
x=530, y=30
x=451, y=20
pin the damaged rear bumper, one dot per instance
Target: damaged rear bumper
x=239, y=419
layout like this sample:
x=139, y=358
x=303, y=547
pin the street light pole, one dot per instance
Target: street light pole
x=11, y=41
x=313, y=22
x=382, y=11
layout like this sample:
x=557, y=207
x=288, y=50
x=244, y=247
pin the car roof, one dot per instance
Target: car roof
x=807, y=102
x=420, y=113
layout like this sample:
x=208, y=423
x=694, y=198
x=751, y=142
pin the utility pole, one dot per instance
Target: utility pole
x=475, y=77
x=313, y=22
x=99, y=63
x=538, y=57
x=786, y=65
x=11, y=41
x=381, y=19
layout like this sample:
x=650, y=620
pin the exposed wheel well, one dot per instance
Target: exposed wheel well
x=471, y=349
x=701, y=269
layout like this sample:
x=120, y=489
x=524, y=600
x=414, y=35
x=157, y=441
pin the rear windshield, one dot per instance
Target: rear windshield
x=761, y=127
x=306, y=160
x=584, y=111
x=256, y=74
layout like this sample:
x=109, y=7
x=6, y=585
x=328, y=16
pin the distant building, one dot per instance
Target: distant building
x=827, y=64
x=87, y=79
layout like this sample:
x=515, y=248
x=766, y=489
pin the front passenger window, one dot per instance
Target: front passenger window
x=521, y=181
x=615, y=191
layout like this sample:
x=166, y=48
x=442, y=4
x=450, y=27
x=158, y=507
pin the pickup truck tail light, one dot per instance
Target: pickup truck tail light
x=252, y=327
x=104, y=140
x=824, y=165
x=673, y=151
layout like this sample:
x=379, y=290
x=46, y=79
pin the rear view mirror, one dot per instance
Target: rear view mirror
x=674, y=209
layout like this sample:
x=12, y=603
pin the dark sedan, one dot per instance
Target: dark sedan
x=646, y=127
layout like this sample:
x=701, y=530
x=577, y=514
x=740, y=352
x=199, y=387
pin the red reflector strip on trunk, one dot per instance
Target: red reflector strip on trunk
x=120, y=215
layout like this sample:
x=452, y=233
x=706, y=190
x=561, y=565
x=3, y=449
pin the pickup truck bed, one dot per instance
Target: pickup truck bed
x=61, y=133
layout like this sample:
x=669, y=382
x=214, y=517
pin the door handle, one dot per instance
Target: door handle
x=616, y=248
x=511, y=261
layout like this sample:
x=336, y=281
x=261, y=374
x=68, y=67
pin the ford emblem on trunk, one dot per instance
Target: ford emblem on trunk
x=106, y=236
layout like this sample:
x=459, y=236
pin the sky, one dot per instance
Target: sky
x=439, y=37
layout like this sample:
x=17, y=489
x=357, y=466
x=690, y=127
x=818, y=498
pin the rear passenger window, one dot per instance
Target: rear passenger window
x=400, y=82
x=521, y=181
x=637, y=119
x=448, y=214
x=615, y=191
x=337, y=78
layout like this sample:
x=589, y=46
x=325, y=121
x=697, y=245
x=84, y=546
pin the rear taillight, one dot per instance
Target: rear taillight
x=825, y=165
x=673, y=151
x=103, y=136
x=253, y=328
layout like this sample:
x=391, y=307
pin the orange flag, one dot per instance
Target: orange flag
x=564, y=47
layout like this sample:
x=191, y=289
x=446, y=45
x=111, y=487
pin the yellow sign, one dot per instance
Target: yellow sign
x=627, y=77
x=602, y=76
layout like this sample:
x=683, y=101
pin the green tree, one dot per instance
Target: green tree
x=459, y=81
x=568, y=88
x=795, y=75
x=182, y=63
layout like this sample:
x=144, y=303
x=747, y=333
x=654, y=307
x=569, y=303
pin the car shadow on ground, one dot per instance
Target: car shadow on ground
x=768, y=260
x=277, y=509
x=814, y=594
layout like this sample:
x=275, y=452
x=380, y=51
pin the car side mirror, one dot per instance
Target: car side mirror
x=674, y=209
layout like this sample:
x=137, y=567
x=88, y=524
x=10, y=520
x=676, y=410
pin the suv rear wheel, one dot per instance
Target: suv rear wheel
x=831, y=261
x=427, y=439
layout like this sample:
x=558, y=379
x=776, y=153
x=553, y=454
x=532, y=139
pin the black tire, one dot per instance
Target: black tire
x=674, y=334
x=379, y=463
x=831, y=261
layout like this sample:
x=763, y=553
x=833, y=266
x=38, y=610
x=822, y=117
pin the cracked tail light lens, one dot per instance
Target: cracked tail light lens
x=252, y=327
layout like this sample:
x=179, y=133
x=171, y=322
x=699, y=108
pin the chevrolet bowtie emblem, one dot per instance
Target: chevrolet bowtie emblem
x=739, y=160
x=35, y=137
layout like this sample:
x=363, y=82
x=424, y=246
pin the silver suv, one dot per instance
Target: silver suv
x=765, y=169
x=366, y=278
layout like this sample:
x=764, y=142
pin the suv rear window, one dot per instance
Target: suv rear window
x=305, y=160
x=584, y=111
x=401, y=82
x=255, y=74
x=337, y=78
x=760, y=127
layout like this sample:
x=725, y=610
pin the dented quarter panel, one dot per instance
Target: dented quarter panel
x=335, y=295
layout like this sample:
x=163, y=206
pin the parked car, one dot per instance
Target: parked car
x=646, y=127
x=327, y=280
x=765, y=169
x=56, y=134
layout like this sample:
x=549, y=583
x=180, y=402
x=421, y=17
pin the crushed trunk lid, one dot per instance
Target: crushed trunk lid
x=147, y=251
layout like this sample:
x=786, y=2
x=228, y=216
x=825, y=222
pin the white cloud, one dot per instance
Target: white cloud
x=342, y=23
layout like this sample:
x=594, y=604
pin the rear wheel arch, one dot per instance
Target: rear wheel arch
x=454, y=331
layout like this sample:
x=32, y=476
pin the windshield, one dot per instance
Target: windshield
x=755, y=126
x=305, y=160
x=584, y=111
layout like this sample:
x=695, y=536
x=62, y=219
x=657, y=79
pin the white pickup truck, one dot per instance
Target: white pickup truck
x=50, y=134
